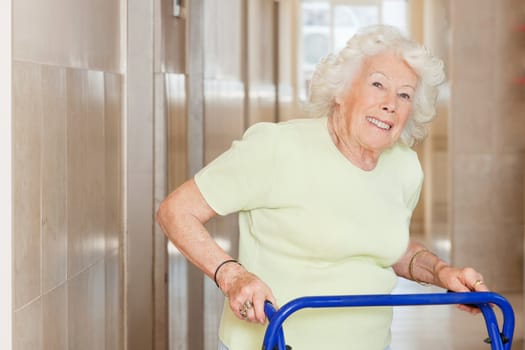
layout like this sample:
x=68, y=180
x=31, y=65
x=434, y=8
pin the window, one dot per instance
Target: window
x=327, y=25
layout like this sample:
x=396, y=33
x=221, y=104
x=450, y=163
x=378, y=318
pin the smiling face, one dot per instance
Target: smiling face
x=378, y=104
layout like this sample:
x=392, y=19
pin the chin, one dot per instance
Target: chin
x=380, y=146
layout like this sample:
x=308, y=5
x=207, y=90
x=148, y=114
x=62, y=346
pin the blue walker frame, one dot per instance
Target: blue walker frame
x=499, y=339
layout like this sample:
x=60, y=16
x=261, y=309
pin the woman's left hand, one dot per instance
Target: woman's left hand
x=461, y=280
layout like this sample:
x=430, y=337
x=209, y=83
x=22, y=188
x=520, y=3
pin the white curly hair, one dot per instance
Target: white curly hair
x=334, y=73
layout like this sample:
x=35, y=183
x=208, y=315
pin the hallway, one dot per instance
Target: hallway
x=116, y=103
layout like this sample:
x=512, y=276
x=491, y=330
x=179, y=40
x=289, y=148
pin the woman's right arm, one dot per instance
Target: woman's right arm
x=182, y=216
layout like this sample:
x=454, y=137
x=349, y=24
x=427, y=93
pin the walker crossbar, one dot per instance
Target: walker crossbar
x=499, y=339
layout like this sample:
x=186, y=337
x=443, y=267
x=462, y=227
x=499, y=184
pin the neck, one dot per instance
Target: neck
x=359, y=156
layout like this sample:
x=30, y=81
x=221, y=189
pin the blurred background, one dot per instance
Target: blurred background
x=115, y=103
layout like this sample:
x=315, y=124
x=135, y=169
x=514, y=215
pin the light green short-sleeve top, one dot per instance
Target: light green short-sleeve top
x=311, y=223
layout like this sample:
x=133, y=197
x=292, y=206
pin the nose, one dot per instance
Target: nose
x=389, y=103
x=388, y=109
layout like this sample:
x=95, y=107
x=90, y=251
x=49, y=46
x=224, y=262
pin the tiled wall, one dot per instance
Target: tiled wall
x=67, y=175
x=67, y=207
x=486, y=140
x=74, y=33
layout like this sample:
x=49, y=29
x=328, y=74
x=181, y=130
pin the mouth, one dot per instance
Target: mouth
x=380, y=124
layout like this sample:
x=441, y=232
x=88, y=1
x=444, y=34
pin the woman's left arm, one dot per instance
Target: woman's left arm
x=421, y=265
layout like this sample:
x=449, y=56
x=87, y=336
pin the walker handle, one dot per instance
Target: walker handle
x=499, y=340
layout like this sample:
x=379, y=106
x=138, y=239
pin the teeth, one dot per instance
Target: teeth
x=378, y=123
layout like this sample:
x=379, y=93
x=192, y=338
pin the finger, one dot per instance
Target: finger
x=459, y=286
x=246, y=311
x=258, y=307
x=477, y=282
x=467, y=280
x=482, y=288
x=237, y=307
x=469, y=309
x=259, y=301
x=271, y=298
x=479, y=286
x=472, y=279
x=242, y=313
x=248, y=305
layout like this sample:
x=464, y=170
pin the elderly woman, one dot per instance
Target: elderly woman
x=324, y=203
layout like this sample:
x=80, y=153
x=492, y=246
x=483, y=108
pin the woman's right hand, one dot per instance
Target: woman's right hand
x=182, y=216
x=246, y=293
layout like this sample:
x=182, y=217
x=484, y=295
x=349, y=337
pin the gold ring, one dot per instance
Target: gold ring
x=248, y=304
x=477, y=283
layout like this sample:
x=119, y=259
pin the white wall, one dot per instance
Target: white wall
x=5, y=177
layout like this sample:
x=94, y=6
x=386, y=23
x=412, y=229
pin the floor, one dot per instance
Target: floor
x=446, y=327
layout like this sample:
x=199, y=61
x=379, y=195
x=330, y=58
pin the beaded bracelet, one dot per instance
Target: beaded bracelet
x=221, y=265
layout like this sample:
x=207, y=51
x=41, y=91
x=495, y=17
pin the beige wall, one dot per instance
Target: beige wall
x=288, y=90
x=67, y=171
x=473, y=160
x=486, y=140
x=171, y=162
x=436, y=31
x=230, y=85
x=6, y=272
x=415, y=19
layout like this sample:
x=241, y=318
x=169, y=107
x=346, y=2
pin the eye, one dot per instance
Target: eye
x=405, y=96
x=377, y=84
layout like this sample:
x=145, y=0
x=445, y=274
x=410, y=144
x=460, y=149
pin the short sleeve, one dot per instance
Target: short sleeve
x=241, y=178
x=417, y=184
